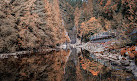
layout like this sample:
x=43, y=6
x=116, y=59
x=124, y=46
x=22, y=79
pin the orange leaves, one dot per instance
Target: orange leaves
x=101, y=2
x=91, y=25
x=114, y=7
x=131, y=55
x=54, y=22
x=23, y=74
x=92, y=19
x=108, y=3
x=129, y=49
x=135, y=53
x=77, y=14
x=83, y=66
x=131, y=52
x=92, y=67
x=95, y=73
x=123, y=51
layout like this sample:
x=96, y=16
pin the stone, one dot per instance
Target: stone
x=120, y=57
x=124, y=62
x=126, y=53
x=135, y=73
x=136, y=48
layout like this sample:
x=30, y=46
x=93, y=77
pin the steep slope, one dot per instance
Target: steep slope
x=30, y=24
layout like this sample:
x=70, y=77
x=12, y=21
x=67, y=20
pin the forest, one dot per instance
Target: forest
x=77, y=30
x=28, y=24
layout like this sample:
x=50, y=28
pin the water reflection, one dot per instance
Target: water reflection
x=35, y=67
x=62, y=65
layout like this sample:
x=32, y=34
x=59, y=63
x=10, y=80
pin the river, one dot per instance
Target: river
x=61, y=65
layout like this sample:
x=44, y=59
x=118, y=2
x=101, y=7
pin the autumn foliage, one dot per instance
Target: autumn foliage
x=28, y=24
x=91, y=66
x=107, y=15
x=130, y=51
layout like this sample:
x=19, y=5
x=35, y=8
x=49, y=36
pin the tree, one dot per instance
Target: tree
x=30, y=24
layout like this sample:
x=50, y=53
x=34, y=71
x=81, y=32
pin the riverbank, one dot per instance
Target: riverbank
x=103, y=51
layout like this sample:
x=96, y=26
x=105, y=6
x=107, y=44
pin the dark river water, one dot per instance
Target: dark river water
x=62, y=65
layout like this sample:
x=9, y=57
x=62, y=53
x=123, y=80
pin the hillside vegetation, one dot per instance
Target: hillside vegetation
x=28, y=24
